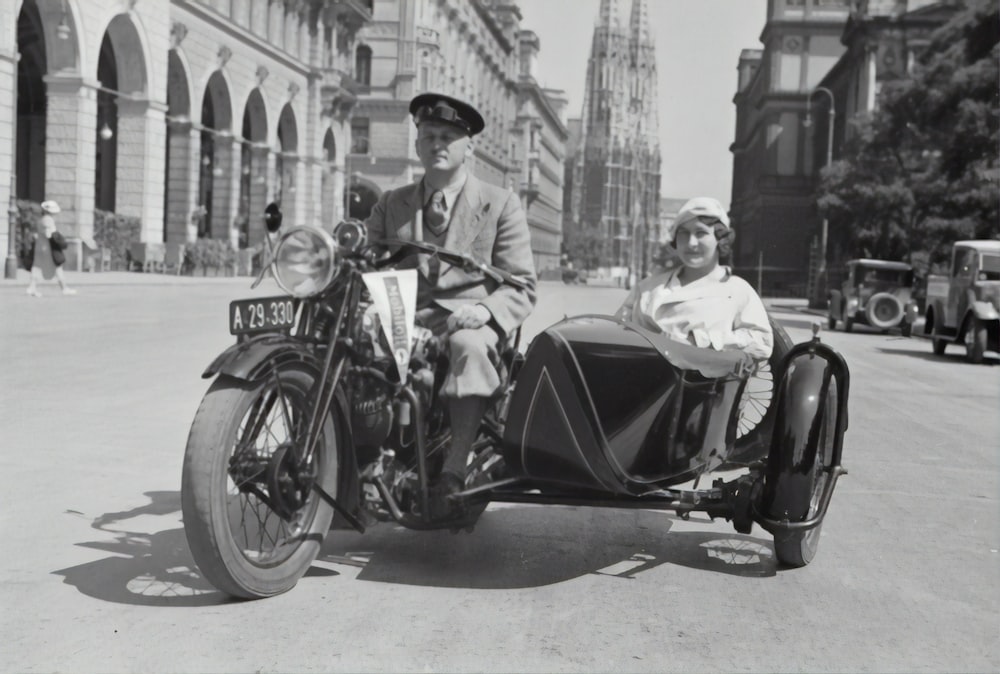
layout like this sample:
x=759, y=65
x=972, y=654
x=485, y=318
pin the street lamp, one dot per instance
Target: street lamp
x=824, y=232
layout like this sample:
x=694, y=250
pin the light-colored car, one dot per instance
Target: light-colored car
x=878, y=293
x=964, y=306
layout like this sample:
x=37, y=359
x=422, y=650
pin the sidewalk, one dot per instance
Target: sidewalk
x=130, y=278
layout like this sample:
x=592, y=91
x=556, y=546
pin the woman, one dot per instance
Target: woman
x=701, y=302
x=47, y=256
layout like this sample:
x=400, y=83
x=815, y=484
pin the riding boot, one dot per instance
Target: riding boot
x=466, y=415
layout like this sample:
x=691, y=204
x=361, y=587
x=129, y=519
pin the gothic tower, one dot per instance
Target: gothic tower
x=616, y=175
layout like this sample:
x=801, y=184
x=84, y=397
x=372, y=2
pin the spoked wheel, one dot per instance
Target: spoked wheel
x=797, y=548
x=755, y=410
x=252, y=520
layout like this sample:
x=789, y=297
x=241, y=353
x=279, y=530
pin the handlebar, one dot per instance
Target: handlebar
x=407, y=247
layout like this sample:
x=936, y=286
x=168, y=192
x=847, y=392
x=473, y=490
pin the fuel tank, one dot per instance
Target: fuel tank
x=601, y=404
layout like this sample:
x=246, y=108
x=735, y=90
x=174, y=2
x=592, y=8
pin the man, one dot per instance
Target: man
x=451, y=208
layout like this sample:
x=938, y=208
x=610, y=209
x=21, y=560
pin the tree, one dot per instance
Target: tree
x=922, y=170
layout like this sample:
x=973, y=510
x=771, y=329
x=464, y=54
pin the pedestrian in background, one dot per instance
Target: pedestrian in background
x=48, y=252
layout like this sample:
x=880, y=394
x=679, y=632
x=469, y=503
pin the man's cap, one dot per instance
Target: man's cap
x=431, y=107
x=50, y=207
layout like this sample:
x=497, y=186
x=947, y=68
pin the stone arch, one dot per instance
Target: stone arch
x=287, y=161
x=121, y=107
x=253, y=170
x=31, y=103
x=328, y=180
x=215, y=157
x=178, y=189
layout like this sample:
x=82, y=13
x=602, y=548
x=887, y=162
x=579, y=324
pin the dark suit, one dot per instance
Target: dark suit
x=488, y=223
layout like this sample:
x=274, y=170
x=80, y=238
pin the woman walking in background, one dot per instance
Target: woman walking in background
x=47, y=252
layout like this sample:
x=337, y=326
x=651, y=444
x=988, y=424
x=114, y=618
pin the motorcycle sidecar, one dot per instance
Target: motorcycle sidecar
x=607, y=411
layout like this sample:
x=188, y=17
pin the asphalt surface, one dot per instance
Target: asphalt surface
x=97, y=394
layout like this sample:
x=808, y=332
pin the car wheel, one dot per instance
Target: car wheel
x=975, y=340
x=937, y=341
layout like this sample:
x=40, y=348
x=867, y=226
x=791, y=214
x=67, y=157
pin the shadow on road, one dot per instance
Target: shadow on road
x=512, y=547
x=956, y=357
x=519, y=547
x=147, y=569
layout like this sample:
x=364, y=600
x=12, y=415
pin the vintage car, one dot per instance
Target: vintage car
x=964, y=306
x=877, y=293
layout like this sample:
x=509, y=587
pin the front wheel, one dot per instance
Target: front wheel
x=975, y=340
x=252, y=520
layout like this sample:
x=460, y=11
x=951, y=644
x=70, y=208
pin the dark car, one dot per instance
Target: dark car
x=878, y=293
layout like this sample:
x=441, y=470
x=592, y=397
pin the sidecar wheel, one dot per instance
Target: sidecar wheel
x=797, y=548
x=241, y=471
x=756, y=411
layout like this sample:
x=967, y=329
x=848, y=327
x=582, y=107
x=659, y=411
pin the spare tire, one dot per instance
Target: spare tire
x=884, y=311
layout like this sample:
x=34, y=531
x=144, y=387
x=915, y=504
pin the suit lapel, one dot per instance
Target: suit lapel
x=406, y=211
x=467, y=218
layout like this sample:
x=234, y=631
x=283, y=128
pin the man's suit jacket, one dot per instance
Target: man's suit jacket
x=486, y=222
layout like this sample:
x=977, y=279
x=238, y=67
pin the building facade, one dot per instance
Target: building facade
x=616, y=172
x=773, y=207
x=188, y=115
x=821, y=67
x=477, y=51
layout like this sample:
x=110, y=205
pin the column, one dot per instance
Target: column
x=258, y=192
x=140, y=179
x=8, y=123
x=182, y=180
x=71, y=137
x=225, y=185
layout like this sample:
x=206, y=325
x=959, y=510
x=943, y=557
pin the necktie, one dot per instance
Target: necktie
x=434, y=214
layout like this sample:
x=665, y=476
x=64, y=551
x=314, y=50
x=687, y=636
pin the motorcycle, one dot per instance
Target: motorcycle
x=328, y=406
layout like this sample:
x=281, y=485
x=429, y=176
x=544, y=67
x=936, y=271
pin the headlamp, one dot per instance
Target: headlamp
x=305, y=261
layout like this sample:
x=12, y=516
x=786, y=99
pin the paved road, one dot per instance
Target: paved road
x=96, y=397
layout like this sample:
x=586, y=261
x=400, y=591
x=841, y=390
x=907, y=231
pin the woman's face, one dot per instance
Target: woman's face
x=696, y=245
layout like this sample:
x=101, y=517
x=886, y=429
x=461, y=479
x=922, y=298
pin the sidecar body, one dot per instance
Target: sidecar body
x=601, y=404
x=604, y=412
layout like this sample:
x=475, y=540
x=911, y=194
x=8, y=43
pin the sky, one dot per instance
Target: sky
x=698, y=44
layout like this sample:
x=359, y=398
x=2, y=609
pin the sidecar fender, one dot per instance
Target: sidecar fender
x=801, y=396
x=253, y=358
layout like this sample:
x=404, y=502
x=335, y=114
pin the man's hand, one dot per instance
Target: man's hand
x=468, y=317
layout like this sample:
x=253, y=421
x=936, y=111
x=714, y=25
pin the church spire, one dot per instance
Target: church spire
x=639, y=24
x=610, y=15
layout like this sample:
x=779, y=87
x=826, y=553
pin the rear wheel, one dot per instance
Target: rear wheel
x=797, y=548
x=252, y=520
x=975, y=340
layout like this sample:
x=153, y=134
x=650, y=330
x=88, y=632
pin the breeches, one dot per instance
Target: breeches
x=472, y=355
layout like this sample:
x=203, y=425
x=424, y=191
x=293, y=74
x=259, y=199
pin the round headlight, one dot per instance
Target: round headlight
x=305, y=261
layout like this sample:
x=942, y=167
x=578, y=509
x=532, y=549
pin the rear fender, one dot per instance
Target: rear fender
x=801, y=399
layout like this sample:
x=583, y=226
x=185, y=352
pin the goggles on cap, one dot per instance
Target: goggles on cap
x=440, y=113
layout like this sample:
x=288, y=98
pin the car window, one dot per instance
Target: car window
x=965, y=263
x=989, y=268
x=902, y=277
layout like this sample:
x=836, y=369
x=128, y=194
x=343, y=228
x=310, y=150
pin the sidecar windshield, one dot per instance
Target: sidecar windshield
x=708, y=362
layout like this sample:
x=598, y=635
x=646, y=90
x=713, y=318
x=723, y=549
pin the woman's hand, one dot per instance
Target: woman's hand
x=469, y=317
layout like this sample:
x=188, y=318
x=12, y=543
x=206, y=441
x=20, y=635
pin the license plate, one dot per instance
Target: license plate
x=261, y=314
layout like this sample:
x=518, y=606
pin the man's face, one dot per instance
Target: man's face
x=442, y=147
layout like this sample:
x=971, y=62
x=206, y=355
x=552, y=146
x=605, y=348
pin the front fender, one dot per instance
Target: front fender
x=251, y=359
x=984, y=311
x=801, y=397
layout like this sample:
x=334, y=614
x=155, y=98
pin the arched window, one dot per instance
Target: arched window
x=363, y=64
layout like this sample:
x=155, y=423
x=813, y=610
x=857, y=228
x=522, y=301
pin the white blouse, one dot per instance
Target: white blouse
x=718, y=311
